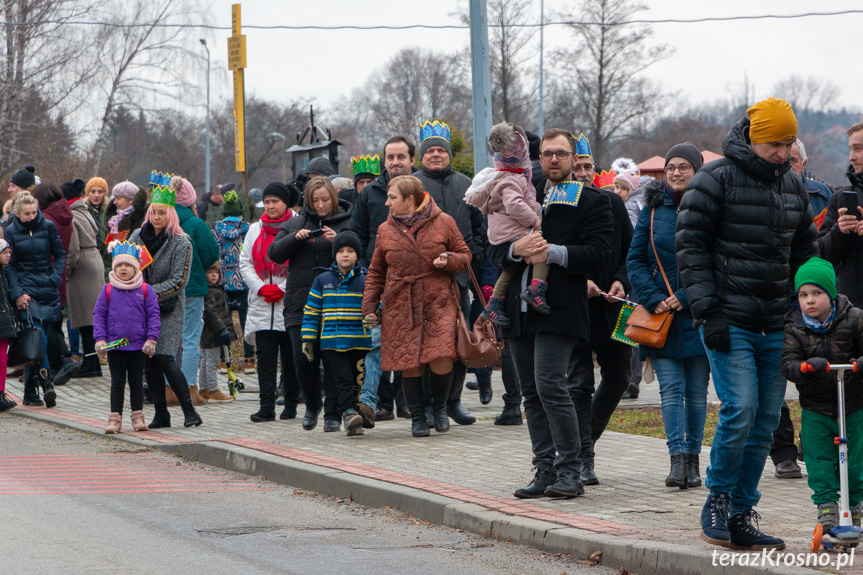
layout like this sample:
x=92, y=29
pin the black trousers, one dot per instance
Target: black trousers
x=271, y=344
x=783, y=447
x=594, y=405
x=309, y=375
x=161, y=367
x=57, y=348
x=511, y=385
x=347, y=369
x=389, y=388
x=88, y=344
x=127, y=366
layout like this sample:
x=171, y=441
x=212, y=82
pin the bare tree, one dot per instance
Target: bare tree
x=808, y=93
x=608, y=96
x=141, y=58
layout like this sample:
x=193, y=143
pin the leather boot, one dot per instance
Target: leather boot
x=192, y=419
x=440, y=385
x=677, y=476
x=161, y=418
x=693, y=475
x=137, y=418
x=68, y=368
x=90, y=367
x=511, y=415
x=412, y=387
x=47, y=389
x=31, y=391
x=485, y=393
x=171, y=397
x=115, y=423
x=195, y=396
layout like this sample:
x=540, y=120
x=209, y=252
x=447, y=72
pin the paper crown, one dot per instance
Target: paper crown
x=163, y=195
x=138, y=252
x=604, y=178
x=161, y=179
x=434, y=130
x=366, y=165
x=582, y=146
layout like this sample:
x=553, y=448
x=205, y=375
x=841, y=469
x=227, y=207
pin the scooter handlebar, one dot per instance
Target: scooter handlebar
x=806, y=367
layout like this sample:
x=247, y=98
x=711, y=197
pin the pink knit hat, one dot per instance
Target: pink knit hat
x=629, y=178
x=186, y=195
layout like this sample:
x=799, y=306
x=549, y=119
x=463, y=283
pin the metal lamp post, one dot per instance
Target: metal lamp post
x=207, y=164
x=284, y=153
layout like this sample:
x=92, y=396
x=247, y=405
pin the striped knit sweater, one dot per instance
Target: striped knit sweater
x=333, y=310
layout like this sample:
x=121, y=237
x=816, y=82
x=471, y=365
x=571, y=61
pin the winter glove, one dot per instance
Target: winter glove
x=99, y=347
x=716, y=336
x=225, y=338
x=371, y=322
x=817, y=365
x=309, y=350
x=271, y=293
x=149, y=348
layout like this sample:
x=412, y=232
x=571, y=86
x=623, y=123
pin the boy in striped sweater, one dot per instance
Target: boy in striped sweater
x=333, y=314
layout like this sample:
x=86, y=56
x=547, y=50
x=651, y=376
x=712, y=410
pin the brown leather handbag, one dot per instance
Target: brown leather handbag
x=643, y=327
x=478, y=347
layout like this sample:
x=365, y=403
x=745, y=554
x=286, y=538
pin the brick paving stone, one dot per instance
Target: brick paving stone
x=480, y=463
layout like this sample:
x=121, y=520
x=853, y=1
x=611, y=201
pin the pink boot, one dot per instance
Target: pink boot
x=138, y=423
x=114, y=423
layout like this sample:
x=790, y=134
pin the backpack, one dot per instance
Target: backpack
x=108, y=291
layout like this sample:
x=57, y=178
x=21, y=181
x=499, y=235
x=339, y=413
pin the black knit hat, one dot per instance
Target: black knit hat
x=349, y=239
x=24, y=178
x=688, y=151
x=533, y=143
x=73, y=190
x=288, y=194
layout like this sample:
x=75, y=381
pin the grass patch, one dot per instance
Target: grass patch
x=647, y=421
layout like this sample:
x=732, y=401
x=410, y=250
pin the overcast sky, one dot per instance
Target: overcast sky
x=708, y=63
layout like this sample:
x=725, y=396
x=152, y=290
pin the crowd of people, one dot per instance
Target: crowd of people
x=349, y=293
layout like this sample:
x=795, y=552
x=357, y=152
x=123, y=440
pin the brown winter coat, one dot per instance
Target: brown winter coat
x=420, y=302
x=84, y=268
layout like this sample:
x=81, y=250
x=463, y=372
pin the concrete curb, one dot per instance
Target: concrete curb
x=636, y=555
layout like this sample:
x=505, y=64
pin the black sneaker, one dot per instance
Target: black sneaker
x=264, y=414
x=537, y=487
x=6, y=402
x=568, y=485
x=745, y=535
x=588, y=476
x=714, y=520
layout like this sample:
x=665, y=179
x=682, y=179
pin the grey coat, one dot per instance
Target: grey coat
x=84, y=268
x=168, y=276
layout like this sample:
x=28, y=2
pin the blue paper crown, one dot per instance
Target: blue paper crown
x=125, y=248
x=434, y=130
x=582, y=146
x=160, y=179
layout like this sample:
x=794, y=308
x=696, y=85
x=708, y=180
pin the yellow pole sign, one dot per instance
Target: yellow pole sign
x=236, y=63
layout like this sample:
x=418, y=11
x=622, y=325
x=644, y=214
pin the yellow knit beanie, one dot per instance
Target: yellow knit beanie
x=771, y=120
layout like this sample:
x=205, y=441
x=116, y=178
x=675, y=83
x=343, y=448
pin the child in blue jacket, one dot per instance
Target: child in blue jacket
x=333, y=314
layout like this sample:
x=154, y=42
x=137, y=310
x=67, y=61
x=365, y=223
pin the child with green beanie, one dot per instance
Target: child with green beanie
x=825, y=328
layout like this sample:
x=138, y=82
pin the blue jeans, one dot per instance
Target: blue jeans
x=34, y=369
x=74, y=339
x=372, y=380
x=683, y=388
x=751, y=389
x=192, y=328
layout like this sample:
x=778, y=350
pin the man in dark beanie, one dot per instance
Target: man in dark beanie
x=22, y=180
x=447, y=188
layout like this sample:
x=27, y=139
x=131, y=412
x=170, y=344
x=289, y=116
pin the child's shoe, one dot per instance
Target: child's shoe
x=353, y=420
x=6, y=402
x=217, y=396
x=114, y=423
x=494, y=312
x=856, y=512
x=357, y=431
x=535, y=296
x=138, y=423
x=828, y=515
x=223, y=367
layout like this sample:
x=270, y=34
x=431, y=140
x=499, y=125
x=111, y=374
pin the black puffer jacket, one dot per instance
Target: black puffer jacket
x=842, y=344
x=31, y=270
x=744, y=228
x=304, y=256
x=7, y=308
x=844, y=251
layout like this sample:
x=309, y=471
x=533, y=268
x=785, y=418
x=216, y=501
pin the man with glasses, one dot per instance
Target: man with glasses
x=594, y=404
x=745, y=226
x=576, y=240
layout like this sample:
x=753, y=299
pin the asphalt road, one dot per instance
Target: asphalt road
x=77, y=503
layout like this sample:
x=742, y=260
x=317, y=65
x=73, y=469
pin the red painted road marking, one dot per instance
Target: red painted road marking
x=133, y=473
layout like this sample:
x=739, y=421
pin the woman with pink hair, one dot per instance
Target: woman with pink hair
x=168, y=274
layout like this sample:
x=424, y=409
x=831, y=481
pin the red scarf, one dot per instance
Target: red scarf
x=264, y=266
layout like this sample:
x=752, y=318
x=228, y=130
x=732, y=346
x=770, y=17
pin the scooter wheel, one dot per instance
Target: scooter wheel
x=816, y=537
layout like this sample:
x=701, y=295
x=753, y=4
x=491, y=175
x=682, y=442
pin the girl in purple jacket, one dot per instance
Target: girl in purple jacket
x=127, y=309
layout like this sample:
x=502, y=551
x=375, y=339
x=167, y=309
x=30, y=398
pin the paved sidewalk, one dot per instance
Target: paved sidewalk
x=631, y=515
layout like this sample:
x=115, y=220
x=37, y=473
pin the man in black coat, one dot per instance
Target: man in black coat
x=447, y=188
x=745, y=226
x=576, y=241
x=595, y=405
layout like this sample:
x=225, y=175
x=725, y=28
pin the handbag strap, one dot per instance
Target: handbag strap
x=656, y=255
x=476, y=286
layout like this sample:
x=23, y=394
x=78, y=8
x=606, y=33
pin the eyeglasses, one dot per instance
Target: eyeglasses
x=682, y=168
x=561, y=155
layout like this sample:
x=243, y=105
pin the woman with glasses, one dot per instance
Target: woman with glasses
x=681, y=366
